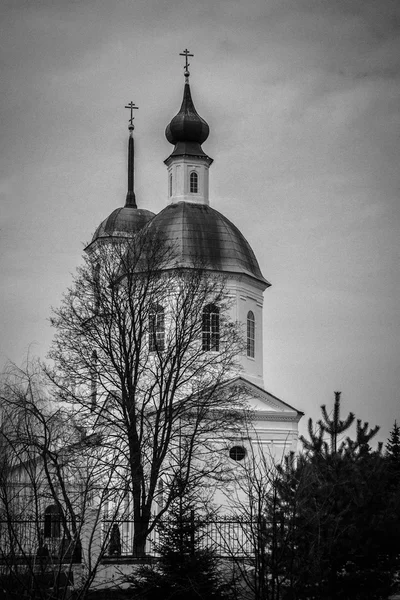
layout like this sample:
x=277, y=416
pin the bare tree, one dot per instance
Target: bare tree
x=142, y=350
x=50, y=473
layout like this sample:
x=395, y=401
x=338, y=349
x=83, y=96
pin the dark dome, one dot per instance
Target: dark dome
x=201, y=235
x=187, y=125
x=123, y=222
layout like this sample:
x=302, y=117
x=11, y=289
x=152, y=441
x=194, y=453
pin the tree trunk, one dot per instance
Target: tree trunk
x=139, y=537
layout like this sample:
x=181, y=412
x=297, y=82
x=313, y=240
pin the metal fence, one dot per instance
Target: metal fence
x=226, y=536
x=34, y=538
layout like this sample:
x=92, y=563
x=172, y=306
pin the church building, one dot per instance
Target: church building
x=200, y=233
x=89, y=494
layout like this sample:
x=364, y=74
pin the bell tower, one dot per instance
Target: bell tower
x=188, y=164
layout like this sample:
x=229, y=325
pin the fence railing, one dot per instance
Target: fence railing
x=226, y=536
x=24, y=538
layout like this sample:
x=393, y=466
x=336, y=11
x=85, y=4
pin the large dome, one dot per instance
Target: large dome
x=201, y=235
x=123, y=222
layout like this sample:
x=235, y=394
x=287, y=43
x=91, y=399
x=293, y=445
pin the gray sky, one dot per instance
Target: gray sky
x=303, y=102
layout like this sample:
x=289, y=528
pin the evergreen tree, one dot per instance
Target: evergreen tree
x=335, y=426
x=393, y=444
x=186, y=569
x=332, y=426
x=393, y=457
x=345, y=526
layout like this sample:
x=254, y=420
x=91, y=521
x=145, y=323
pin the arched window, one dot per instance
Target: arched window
x=251, y=331
x=211, y=327
x=156, y=329
x=52, y=522
x=194, y=183
x=170, y=184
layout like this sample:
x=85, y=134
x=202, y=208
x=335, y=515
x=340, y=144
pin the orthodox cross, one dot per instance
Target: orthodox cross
x=132, y=106
x=186, y=53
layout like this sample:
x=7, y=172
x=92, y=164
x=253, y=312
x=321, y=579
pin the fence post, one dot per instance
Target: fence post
x=91, y=539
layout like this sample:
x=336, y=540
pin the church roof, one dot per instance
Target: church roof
x=202, y=236
x=123, y=222
x=263, y=403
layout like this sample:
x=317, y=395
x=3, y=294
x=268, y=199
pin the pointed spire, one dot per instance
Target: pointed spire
x=130, y=196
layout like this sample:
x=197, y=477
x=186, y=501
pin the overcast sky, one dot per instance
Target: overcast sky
x=303, y=102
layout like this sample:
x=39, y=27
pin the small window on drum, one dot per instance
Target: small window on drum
x=170, y=184
x=194, y=183
x=251, y=331
x=237, y=453
x=156, y=329
x=210, y=328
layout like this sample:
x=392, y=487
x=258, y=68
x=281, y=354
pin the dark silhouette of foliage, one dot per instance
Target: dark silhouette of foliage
x=393, y=444
x=361, y=444
x=335, y=426
x=345, y=526
x=392, y=455
x=186, y=570
x=316, y=442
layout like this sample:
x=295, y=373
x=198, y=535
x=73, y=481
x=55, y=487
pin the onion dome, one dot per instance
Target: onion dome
x=201, y=236
x=187, y=130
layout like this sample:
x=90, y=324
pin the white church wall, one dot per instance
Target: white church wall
x=266, y=443
x=247, y=295
x=179, y=170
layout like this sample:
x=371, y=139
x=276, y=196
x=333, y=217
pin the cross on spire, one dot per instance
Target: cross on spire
x=132, y=106
x=186, y=53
